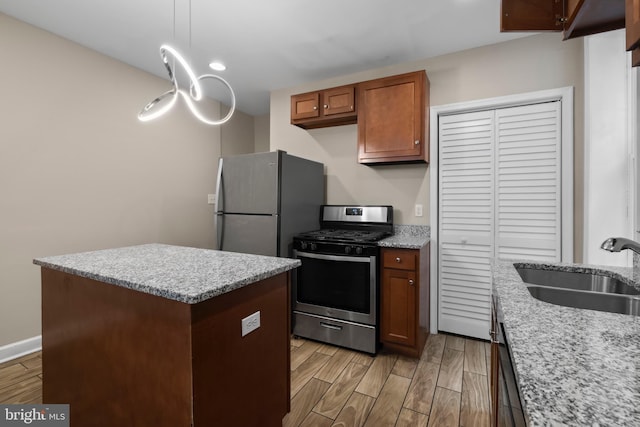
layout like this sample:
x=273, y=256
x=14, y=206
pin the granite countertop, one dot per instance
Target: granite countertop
x=575, y=367
x=407, y=237
x=179, y=273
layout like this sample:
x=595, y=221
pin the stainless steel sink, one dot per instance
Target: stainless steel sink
x=613, y=303
x=592, y=282
x=581, y=290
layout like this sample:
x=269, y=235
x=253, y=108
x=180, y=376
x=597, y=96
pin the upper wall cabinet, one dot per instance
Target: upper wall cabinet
x=392, y=119
x=576, y=18
x=632, y=23
x=329, y=107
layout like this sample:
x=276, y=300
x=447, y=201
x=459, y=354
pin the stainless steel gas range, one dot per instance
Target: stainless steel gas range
x=335, y=291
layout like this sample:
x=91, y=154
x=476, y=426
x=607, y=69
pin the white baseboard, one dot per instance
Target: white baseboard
x=20, y=348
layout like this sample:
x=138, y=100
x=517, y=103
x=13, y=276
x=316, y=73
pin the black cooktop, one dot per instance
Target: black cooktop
x=343, y=235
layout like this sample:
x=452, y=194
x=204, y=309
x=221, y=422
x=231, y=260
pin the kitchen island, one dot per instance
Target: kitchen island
x=574, y=367
x=152, y=335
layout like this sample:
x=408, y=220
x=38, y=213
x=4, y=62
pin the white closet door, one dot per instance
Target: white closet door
x=499, y=196
x=466, y=172
x=528, y=186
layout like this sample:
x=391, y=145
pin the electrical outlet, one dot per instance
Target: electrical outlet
x=211, y=199
x=418, y=210
x=250, y=323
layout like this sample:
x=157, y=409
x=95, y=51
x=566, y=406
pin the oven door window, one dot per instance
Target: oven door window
x=344, y=285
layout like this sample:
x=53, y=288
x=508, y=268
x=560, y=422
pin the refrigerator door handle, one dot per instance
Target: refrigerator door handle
x=219, y=197
x=218, y=217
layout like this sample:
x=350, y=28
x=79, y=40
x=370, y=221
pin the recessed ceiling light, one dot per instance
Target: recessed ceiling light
x=217, y=66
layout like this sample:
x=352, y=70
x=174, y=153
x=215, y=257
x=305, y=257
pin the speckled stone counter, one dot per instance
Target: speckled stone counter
x=407, y=237
x=179, y=273
x=575, y=367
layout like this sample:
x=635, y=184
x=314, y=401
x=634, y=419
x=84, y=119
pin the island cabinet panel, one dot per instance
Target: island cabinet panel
x=116, y=356
x=404, y=300
x=392, y=119
x=244, y=376
x=121, y=357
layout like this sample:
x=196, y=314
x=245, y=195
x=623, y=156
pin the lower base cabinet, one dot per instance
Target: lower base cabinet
x=404, y=300
x=120, y=357
x=506, y=409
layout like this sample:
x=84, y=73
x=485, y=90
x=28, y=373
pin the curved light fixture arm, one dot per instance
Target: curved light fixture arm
x=197, y=112
x=151, y=111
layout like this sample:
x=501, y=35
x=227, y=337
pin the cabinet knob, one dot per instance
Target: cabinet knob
x=351, y=107
x=398, y=259
x=326, y=106
x=411, y=282
x=315, y=107
x=416, y=142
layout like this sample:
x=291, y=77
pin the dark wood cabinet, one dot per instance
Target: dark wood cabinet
x=404, y=300
x=531, y=15
x=121, y=357
x=632, y=25
x=495, y=369
x=329, y=107
x=392, y=119
x=576, y=18
x=506, y=409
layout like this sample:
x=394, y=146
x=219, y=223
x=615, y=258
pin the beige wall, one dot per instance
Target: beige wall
x=79, y=172
x=261, y=135
x=529, y=64
x=237, y=135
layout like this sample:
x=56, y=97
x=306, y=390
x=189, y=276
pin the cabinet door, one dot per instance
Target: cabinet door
x=305, y=106
x=338, y=100
x=635, y=57
x=632, y=24
x=391, y=119
x=398, y=323
x=531, y=15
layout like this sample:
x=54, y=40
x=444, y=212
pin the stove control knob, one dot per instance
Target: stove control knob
x=303, y=245
x=313, y=246
x=347, y=249
x=359, y=250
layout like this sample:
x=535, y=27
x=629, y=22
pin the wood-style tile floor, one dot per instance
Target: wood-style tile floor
x=448, y=386
x=21, y=379
x=333, y=386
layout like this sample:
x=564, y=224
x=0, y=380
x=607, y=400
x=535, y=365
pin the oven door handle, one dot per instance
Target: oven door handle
x=340, y=258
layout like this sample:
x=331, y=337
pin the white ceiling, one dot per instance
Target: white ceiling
x=269, y=44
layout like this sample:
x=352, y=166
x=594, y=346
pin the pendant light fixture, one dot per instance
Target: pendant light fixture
x=163, y=103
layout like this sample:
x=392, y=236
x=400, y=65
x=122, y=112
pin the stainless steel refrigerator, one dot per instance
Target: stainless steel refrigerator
x=264, y=199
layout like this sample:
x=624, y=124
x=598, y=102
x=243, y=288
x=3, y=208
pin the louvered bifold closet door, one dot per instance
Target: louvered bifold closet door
x=528, y=182
x=466, y=222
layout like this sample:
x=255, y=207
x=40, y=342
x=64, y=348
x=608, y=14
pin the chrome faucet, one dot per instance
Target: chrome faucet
x=617, y=244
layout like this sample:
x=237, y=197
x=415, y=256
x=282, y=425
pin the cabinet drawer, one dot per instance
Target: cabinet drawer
x=402, y=259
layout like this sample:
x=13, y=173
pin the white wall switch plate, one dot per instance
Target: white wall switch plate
x=211, y=199
x=418, y=210
x=250, y=323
